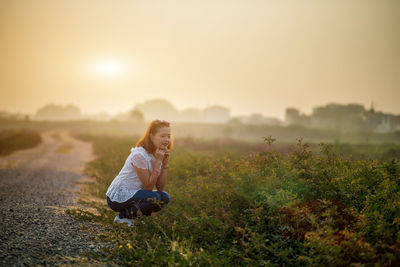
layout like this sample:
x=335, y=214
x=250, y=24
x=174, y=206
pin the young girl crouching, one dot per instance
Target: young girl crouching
x=131, y=192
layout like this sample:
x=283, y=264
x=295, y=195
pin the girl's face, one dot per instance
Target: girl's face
x=162, y=138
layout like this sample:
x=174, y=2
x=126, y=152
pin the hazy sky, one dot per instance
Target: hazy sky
x=251, y=56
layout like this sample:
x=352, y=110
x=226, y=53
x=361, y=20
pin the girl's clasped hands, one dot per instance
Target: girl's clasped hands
x=162, y=154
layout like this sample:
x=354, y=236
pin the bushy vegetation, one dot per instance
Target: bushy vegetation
x=303, y=208
x=11, y=140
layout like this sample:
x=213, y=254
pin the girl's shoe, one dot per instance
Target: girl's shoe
x=117, y=219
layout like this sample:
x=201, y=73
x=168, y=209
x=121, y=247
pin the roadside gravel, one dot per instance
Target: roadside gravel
x=36, y=187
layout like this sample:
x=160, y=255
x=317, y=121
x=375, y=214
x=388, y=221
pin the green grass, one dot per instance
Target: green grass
x=305, y=207
x=12, y=140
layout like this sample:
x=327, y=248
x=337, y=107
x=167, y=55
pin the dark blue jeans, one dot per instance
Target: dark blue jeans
x=144, y=202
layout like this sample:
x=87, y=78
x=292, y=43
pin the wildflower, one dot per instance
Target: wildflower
x=174, y=245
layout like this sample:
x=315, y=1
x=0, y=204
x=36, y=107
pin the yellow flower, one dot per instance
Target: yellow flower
x=120, y=246
x=129, y=245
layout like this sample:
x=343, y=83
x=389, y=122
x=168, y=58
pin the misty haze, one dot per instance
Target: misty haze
x=200, y=133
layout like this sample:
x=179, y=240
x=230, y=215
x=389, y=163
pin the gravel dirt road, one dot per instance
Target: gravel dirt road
x=36, y=187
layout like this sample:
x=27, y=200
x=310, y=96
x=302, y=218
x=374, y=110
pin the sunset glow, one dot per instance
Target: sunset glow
x=250, y=56
x=108, y=68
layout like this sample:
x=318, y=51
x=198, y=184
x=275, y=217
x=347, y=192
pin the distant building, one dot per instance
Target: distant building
x=259, y=119
x=216, y=114
x=292, y=116
x=348, y=117
x=380, y=122
x=157, y=109
x=190, y=115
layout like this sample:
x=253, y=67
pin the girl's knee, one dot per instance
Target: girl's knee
x=146, y=195
x=153, y=196
x=164, y=196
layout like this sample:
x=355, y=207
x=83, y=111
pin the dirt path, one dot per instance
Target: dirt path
x=36, y=187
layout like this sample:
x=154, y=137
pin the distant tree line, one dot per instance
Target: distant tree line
x=345, y=118
x=58, y=112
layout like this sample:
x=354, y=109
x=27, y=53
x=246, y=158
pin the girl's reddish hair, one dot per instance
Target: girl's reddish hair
x=153, y=127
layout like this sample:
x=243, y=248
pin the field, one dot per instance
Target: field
x=265, y=204
x=209, y=131
x=12, y=140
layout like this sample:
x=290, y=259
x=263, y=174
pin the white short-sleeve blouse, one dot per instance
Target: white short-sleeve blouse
x=127, y=182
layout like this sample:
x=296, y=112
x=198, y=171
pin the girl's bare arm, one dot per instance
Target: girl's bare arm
x=149, y=180
x=162, y=180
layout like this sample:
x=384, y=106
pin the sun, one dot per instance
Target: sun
x=108, y=68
